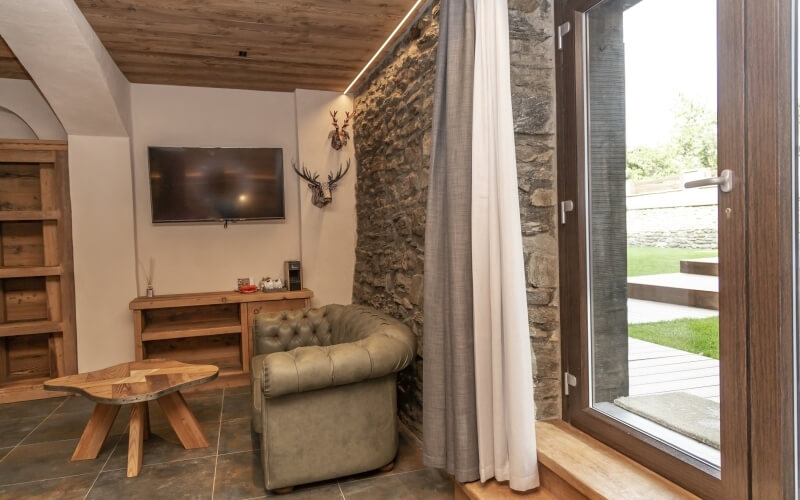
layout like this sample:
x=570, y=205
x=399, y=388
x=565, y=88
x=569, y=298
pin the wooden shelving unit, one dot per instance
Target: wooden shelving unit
x=37, y=292
x=213, y=328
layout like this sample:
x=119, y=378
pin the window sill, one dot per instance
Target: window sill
x=573, y=465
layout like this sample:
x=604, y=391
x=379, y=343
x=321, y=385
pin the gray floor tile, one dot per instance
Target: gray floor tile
x=65, y=488
x=206, y=407
x=76, y=404
x=164, y=446
x=234, y=391
x=237, y=435
x=429, y=484
x=28, y=409
x=48, y=461
x=236, y=406
x=14, y=430
x=187, y=479
x=239, y=475
x=59, y=426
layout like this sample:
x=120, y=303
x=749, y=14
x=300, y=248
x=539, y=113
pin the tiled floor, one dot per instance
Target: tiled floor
x=37, y=439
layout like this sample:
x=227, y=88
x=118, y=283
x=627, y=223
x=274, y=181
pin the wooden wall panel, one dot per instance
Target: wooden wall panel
x=28, y=357
x=21, y=244
x=19, y=187
x=25, y=299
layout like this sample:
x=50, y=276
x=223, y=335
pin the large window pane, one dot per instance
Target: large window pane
x=650, y=78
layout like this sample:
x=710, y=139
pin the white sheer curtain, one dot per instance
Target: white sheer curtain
x=503, y=373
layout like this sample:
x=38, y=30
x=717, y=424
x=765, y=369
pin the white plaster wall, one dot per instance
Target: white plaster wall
x=205, y=257
x=328, y=235
x=103, y=247
x=22, y=99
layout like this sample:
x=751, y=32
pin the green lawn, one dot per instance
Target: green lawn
x=700, y=336
x=644, y=261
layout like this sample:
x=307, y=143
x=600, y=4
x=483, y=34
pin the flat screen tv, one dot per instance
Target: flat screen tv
x=216, y=184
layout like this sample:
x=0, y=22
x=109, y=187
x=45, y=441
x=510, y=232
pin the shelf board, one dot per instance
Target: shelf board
x=30, y=271
x=207, y=299
x=178, y=330
x=29, y=328
x=28, y=215
x=26, y=389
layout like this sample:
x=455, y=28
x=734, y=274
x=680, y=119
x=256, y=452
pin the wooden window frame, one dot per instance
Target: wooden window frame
x=756, y=100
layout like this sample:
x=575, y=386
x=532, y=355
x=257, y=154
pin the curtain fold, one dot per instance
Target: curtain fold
x=503, y=372
x=449, y=413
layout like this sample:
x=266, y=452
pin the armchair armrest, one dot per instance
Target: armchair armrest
x=317, y=367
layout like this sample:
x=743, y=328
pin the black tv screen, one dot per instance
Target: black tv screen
x=215, y=184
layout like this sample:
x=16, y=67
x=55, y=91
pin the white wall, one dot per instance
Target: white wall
x=206, y=257
x=328, y=234
x=103, y=243
x=26, y=104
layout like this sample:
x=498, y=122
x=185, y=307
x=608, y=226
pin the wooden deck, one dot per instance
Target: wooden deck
x=655, y=369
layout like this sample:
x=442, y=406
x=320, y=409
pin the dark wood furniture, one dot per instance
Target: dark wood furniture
x=135, y=383
x=214, y=328
x=37, y=292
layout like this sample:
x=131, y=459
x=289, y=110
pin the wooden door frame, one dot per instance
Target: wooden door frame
x=770, y=108
x=764, y=246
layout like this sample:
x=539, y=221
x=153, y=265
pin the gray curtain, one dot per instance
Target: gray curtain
x=450, y=433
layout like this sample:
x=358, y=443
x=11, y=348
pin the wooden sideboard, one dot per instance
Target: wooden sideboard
x=208, y=328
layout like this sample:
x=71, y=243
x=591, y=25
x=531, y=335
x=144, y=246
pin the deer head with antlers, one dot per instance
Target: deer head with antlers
x=321, y=192
x=340, y=136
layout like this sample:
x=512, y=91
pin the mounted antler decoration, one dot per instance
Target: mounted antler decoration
x=322, y=192
x=339, y=137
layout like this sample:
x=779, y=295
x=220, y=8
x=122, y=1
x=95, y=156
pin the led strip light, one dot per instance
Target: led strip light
x=369, y=63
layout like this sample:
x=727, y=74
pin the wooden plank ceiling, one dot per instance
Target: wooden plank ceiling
x=10, y=67
x=312, y=44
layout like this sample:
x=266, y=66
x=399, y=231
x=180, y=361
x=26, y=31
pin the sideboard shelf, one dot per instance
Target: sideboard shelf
x=213, y=328
x=182, y=329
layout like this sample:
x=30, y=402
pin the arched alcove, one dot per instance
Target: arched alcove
x=13, y=126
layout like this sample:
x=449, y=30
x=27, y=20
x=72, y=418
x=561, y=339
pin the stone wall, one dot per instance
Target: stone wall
x=673, y=227
x=392, y=144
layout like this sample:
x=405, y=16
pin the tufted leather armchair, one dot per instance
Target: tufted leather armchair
x=324, y=391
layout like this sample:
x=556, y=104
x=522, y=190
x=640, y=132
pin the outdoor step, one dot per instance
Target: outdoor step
x=693, y=290
x=708, y=266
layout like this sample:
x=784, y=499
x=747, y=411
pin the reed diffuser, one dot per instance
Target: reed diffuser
x=148, y=275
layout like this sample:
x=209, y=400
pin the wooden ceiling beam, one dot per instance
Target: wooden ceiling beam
x=314, y=44
x=10, y=67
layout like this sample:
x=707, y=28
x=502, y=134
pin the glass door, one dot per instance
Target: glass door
x=652, y=192
x=652, y=155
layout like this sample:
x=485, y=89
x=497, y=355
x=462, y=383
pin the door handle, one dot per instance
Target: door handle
x=724, y=181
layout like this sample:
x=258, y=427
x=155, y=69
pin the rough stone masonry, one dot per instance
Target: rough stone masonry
x=392, y=143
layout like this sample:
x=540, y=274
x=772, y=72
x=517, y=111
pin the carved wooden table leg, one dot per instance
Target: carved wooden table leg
x=95, y=432
x=183, y=421
x=135, y=438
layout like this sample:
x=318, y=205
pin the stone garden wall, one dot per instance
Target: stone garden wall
x=392, y=144
x=673, y=227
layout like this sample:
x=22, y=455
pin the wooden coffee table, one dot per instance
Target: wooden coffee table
x=135, y=384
